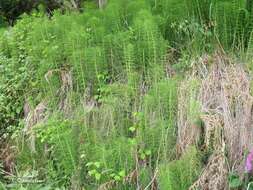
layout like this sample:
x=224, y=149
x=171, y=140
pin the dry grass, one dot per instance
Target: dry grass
x=226, y=111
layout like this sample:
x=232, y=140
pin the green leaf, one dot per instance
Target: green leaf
x=97, y=176
x=92, y=172
x=117, y=178
x=234, y=181
x=122, y=173
x=132, y=129
x=133, y=141
x=148, y=152
x=89, y=164
x=97, y=164
x=143, y=156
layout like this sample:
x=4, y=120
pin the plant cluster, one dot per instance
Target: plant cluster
x=110, y=78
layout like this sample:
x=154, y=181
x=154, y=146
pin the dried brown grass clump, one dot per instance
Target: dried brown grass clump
x=66, y=87
x=214, y=175
x=7, y=157
x=226, y=93
x=188, y=132
x=39, y=113
x=34, y=117
x=226, y=114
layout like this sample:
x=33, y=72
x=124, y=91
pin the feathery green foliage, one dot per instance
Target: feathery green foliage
x=111, y=78
x=180, y=174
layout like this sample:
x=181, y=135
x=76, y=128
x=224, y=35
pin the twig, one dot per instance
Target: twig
x=249, y=185
x=153, y=179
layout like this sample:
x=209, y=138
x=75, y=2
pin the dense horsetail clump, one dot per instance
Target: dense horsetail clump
x=130, y=94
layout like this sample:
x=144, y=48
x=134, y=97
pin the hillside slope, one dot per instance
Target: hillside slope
x=153, y=94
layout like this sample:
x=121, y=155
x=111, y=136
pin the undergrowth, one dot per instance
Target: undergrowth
x=110, y=79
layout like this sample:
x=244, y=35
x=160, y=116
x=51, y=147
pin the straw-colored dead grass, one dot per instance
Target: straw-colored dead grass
x=226, y=114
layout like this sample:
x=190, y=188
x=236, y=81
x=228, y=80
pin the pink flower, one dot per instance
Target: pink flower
x=249, y=160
